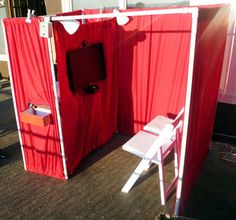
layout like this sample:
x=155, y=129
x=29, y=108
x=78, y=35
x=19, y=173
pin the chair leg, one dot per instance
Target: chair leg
x=161, y=175
x=176, y=161
x=172, y=185
x=143, y=165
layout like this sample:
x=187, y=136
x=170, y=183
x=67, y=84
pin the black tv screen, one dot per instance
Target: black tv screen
x=85, y=66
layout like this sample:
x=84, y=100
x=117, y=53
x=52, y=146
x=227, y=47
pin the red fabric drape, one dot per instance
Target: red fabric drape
x=88, y=120
x=31, y=75
x=210, y=44
x=152, y=65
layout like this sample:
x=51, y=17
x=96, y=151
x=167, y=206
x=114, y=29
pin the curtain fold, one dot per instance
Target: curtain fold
x=150, y=55
x=88, y=120
x=153, y=71
x=32, y=81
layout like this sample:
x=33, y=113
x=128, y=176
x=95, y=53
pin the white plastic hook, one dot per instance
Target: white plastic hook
x=28, y=20
x=30, y=13
x=120, y=19
x=71, y=26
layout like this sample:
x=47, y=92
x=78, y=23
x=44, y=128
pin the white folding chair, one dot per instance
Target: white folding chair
x=153, y=149
x=157, y=124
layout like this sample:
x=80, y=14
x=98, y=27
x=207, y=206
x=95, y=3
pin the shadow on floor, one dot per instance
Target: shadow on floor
x=14, y=153
x=92, y=193
x=94, y=190
x=101, y=152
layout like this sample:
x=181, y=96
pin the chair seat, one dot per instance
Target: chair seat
x=157, y=124
x=140, y=143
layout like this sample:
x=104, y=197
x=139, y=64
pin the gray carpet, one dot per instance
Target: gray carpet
x=94, y=190
x=92, y=193
x=214, y=196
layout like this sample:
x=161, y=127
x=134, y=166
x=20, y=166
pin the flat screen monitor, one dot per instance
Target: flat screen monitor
x=85, y=66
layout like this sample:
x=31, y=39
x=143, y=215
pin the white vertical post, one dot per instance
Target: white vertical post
x=187, y=108
x=13, y=94
x=57, y=109
x=66, y=5
x=176, y=159
x=122, y=4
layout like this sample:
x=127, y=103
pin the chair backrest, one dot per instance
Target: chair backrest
x=178, y=117
x=163, y=138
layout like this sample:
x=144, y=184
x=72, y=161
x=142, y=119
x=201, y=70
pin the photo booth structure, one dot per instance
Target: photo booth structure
x=157, y=63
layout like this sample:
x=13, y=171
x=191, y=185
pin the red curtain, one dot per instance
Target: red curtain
x=153, y=65
x=88, y=120
x=149, y=82
x=31, y=78
x=210, y=44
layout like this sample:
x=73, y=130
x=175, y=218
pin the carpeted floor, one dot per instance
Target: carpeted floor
x=214, y=196
x=94, y=190
x=92, y=193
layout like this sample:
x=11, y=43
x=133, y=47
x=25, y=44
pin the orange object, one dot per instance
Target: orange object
x=36, y=117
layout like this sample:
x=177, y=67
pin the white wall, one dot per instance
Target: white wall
x=66, y=5
x=2, y=15
x=157, y=3
x=207, y=2
x=94, y=4
x=227, y=91
x=131, y=3
x=53, y=7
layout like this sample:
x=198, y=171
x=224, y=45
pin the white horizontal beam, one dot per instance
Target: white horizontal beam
x=129, y=13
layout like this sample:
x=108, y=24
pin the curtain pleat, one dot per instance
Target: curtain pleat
x=89, y=120
x=210, y=46
x=153, y=67
x=31, y=75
